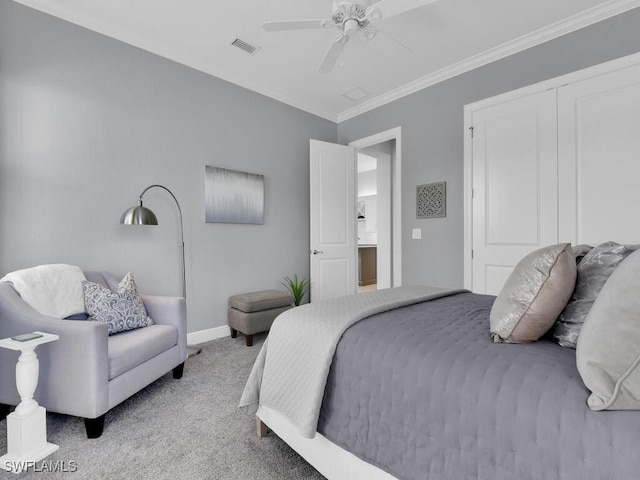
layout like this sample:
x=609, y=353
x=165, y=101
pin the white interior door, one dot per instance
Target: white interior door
x=332, y=216
x=515, y=197
x=599, y=135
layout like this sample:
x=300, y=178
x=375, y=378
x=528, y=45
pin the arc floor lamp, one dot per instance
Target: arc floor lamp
x=141, y=215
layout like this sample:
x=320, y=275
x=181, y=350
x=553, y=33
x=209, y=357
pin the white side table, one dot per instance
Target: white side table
x=27, y=425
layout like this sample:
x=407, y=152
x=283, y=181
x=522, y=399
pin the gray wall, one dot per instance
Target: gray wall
x=432, y=134
x=87, y=122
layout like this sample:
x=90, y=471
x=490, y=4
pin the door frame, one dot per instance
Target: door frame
x=557, y=82
x=396, y=194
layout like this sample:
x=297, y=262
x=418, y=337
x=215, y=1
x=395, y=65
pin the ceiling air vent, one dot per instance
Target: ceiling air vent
x=356, y=94
x=245, y=46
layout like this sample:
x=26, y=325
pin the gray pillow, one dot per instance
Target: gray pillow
x=535, y=293
x=593, y=271
x=120, y=310
x=580, y=251
x=608, y=351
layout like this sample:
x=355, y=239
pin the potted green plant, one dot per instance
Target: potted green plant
x=297, y=287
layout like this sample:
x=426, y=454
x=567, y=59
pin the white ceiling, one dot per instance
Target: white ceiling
x=447, y=38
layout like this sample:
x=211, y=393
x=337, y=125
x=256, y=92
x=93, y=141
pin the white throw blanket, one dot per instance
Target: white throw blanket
x=53, y=290
x=290, y=375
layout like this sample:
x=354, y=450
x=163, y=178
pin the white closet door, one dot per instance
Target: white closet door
x=599, y=151
x=515, y=196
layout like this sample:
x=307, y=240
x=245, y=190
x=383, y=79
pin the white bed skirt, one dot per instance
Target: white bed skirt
x=329, y=459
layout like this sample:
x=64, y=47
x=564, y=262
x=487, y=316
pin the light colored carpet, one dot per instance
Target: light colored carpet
x=189, y=428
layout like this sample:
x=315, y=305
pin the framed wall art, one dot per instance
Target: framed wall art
x=431, y=200
x=231, y=196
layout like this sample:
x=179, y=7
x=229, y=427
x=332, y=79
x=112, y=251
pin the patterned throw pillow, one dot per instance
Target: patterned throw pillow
x=120, y=310
x=593, y=272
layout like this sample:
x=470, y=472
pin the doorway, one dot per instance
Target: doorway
x=378, y=187
x=373, y=216
x=333, y=248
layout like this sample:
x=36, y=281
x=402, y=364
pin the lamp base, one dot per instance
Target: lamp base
x=193, y=351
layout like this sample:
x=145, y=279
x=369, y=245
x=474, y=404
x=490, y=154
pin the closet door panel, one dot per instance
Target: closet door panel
x=515, y=185
x=599, y=158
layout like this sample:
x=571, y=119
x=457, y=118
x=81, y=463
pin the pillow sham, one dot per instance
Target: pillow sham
x=593, y=271
x=608, y=349
x=535, y=293
x=121, y=310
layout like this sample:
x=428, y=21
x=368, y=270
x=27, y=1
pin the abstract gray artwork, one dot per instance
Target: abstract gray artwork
x=233, y=197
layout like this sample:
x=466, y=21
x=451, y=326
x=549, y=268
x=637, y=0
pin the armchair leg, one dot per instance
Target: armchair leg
x=178, y=371
x=4, y=411
x=94, y=426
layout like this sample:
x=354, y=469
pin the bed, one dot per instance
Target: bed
x=417, y=389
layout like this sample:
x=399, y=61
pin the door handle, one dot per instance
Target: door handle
x=316, y=252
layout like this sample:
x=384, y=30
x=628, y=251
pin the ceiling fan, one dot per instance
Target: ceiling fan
x=350, y=19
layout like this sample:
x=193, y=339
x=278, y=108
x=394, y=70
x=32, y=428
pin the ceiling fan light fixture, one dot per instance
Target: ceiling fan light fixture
x=345, y=10
x=351, y=27
x=350, y=19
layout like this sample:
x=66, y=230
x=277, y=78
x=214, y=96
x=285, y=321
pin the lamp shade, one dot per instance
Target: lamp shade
x=139, y=215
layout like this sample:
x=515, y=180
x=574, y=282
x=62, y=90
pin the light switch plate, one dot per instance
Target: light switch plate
x=416, y=234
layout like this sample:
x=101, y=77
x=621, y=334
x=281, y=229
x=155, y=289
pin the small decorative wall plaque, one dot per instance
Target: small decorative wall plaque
x=431, y=200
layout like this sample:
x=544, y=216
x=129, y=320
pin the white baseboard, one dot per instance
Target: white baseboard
x=209, y=334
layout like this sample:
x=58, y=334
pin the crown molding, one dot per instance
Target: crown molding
x=537, y=37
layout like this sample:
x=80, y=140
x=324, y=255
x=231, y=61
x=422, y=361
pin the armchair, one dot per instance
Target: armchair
x=87, y=372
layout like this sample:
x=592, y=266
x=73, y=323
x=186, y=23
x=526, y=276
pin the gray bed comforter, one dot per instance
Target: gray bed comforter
x=291, y=370
x=423, y=393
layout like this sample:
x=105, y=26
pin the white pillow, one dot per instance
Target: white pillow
x=608, y=349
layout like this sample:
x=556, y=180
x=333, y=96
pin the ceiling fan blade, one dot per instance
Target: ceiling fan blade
x=295, y=25
x=332, y=55
x=389, y=8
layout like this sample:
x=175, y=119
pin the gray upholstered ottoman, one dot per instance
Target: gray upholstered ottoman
x=254, y=312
